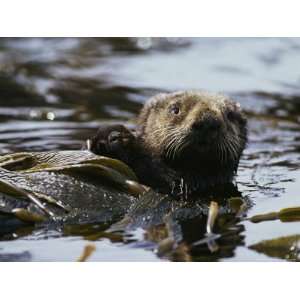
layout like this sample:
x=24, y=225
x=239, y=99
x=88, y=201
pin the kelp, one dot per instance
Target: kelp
x=287, y=247
x=9, y=187
x=290, y=214
x=88, y=250
x=29, y=162
x=237, y=205
x=28, y=216
x=84, y=190
x=22, y=176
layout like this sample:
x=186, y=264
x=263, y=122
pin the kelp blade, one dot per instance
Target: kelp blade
x=287, y=247
x=78, y=180
x=290, y=214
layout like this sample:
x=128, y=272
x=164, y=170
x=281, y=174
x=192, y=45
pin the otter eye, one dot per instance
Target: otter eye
x=174, y=109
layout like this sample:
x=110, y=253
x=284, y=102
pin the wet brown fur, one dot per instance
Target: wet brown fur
x=194, y=150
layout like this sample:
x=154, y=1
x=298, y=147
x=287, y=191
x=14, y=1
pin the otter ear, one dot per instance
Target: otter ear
x=237, y=106
x=156, y=100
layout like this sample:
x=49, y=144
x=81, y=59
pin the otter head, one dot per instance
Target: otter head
x=195, y=132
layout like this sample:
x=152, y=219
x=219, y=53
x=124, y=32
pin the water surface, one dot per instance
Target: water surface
x=54, y=93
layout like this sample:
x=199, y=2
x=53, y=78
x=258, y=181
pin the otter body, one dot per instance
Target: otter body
x=184, y=142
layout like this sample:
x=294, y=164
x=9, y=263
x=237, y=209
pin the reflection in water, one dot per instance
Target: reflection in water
x=284, y=247
x=55, y=92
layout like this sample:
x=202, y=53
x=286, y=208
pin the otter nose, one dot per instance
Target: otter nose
x=209, y=124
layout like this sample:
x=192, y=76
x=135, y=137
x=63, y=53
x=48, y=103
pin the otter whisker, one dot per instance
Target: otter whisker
x=169, y=138
x=233, y=147
x=222, y=151
x=171, y=151
x=183, y=145
x=168, y=149
x=173, y=143
x=230, y=149
x=227, y=149
x=170, y=146
x=234, y=150
x=177, y=147
x=219, y=151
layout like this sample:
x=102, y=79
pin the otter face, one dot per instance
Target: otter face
x=194, y=129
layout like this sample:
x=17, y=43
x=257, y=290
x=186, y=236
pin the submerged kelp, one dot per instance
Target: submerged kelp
x=284, y=247
x=66, y=184
x=75, y=188
x=290, y=214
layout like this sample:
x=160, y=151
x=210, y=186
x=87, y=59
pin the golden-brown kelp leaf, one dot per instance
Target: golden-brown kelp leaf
x=44, y=161
x=8, y=187
x=264, y=217
x=136, y=188
x=290, y=214
x=86, y=162
x=27, y=216
x=238, y=206
x=102, y=171
x=14, y=183
x=54, y=160
x=165, y=246
x=17, y=161
x=16, y=171
x=87, y=252
x=287, y=247
x=51, y=200
x=20, y=178
x=98, y=171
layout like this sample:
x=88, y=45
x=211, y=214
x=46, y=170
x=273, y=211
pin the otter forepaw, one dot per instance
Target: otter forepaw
x=112, y=141
x=119, y=139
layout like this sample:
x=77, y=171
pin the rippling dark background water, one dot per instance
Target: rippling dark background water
x=54, y=92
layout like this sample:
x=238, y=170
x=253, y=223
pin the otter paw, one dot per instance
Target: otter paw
x=119, y=139
x=111, y=141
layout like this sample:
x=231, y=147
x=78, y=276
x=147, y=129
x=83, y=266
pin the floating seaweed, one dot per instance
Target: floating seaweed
x=44, y=180
x=290, y=214
x=88, y=250
x=80, y=189
x=287, y=247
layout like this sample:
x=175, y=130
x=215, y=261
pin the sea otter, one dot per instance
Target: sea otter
x=184, y=142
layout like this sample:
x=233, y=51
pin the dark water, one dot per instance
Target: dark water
x=55, y=92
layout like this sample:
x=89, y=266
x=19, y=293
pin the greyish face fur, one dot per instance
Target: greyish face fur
x=196, y=131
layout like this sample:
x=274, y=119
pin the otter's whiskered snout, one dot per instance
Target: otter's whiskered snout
x=195, y=133
x=206, y=128
x=209, y=124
